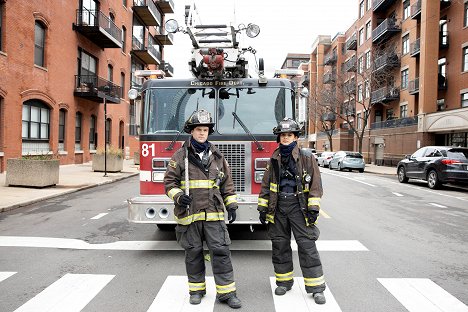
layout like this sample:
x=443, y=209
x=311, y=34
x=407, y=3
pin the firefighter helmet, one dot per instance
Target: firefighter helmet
x=199, y=118
x=287, y=125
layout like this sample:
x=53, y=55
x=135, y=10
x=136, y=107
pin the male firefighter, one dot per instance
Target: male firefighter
x=199, y=166
x=290, y=200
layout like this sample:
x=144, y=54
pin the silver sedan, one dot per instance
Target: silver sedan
x=347, y=160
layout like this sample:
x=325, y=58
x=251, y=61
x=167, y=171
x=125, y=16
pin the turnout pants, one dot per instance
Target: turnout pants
x=289, y=216
x=191, y=237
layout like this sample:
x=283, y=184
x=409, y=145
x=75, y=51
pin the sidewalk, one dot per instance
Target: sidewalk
x=72, y=178
x=380, y=169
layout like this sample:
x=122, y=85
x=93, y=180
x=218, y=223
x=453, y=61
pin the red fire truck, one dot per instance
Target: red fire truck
x=244, y=109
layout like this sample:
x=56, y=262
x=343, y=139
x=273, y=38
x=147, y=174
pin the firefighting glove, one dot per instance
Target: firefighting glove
x=184, y=200
x=262, y=217
x=232, y=214
x=312, y=216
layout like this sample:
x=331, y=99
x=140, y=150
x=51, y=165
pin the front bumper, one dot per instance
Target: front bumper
x=159, y=209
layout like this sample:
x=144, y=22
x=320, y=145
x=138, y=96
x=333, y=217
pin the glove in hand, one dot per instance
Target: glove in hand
x=312, y=216
x=184, y=200
x=231, y=215
x=262, y=217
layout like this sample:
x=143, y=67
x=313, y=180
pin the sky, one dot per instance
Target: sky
x=284, y=28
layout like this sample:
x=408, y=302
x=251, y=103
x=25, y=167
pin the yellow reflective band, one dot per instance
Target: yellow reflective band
x=274, y=187
x=313, y=201
x=282, y=277
x=198, y=184
x=270, y=218
x=306, y=188
x=214, y=216
x=314, y=281
x=226, y=288
x=316, y=221
x=230, y=199
x=202, y=216
x=173, y=192
x=197, y=286
x=263, y=202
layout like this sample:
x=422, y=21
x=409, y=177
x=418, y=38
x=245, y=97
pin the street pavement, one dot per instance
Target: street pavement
x=81, y=176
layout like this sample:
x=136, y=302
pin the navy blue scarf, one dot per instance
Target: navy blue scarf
x=285, y=150
x=199, y=147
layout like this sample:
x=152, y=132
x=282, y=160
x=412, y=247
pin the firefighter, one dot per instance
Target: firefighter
x=200, y=214
x=290, y=200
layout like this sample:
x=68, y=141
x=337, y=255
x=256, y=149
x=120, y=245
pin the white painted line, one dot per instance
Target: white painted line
x=70, y=293
x=174, y=296
x=437, y=205
x=352, y=179
x=5, y=275
x=253, y=245
x=422, y=295
x=99, y=216
x=324, y=214
x=298, y=300
x=397, y=194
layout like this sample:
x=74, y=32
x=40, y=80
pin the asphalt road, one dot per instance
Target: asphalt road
x=385, y=246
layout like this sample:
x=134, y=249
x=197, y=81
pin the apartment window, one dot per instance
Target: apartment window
x=360, y=94
x=61, y=134
x=87, y=69
x=1, y=24
x=406, y=9
x=108, y=130
x=368, y=59
x=366, y=89
x=404, y=79
x=35, y=121
x=78, y=123
x=136, y=81
x=360, y=65
x=368, y=29
x=369, y=5
x=465, y=59
x=138, y=38
x=122, y=84
x=92, y=133
x=464, y=99
x=361, y=36
x=133, y=127
x=359, y=120
x=404, y=111
x=124, y=36
x=110, y=72
x=39, y=44
x=405, y=44
x=465, y=20
x=390, y=114
x=361, y=9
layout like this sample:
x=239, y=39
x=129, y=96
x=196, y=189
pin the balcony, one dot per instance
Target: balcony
x=385, y=30
x=90, y=87
x=330, y=116
x=445, y=4
x=167, y=68
x=413, y=86
x=385, y=95
x=98, y=28
x=443, y=39
x=351, y=43
x=329, y=77
x=381, y=5
x=166, y=6
x=386, y=62
x=415, y=48
x=148, y=54
x=147, y=11
x=164, y=37
x=350, y=65
x=395, y=123
x=349, y=108
x=416, y=10
x=330, y=58
x=349, y=88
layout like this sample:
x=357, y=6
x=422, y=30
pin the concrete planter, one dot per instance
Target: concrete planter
x=114, y=163
x=32, y=173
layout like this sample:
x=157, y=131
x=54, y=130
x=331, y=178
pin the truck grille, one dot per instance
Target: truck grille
x=235, y=156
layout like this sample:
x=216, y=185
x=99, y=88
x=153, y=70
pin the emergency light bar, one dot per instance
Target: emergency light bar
x=152, y=74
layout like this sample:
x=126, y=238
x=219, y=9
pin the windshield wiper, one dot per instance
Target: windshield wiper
x=259, y=145
x=171, y=146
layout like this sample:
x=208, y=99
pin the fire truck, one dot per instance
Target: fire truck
x=245, y=110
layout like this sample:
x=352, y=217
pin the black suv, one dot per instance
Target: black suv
x=435, y=164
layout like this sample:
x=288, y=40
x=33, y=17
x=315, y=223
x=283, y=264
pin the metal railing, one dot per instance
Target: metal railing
x=416, y=9
x=151, y=6
x=413, y=86
x=390, y=59
x=415, y=47
x=385, y=94
x=138, y=45
x=91, y=84
x=350, y=65
x=329, y=77
x=395, y=123
x=330, y=58
x=93, y=18
x=351, y=43
x=389, y=24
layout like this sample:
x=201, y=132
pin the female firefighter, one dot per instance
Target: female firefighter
x=199, y=166
x=290, y=200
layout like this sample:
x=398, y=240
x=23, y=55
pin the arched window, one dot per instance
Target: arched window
x=36, y=121
x=39, y=44
x=62, y=127
x=110, y=73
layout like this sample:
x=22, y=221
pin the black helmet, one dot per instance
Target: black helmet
x=199, y=118
x=287, y=125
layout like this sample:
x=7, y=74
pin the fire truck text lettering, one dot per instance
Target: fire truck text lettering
x=145, y=150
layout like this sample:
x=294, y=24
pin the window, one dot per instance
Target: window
x=138, y=35
x=361, y=36
x=136, y=81
x=366, y=89
x=405, y=44
x=87, y=68
x=360, y=65
x=404, y=111
x=110, y=73
x=465, y=20
x=39, y=42
x=124, y=35
x=78, y=123
x=369, y=5
x=35, y=121
x=361, y=9
x=1, y=24
x=406, y=9
x=464, y=99
x=390, y=114
x=61, y=134
x=92, y=133
x=359, y=121
x=465, y=59
x=368, y=59
x=404, y=79
x=122, y=84
x=368, y=29
x=108, y=130
x=360, y=94
x=133, y=126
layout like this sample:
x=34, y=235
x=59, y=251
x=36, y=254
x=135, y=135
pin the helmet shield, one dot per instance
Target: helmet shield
x=286, y=125
x=199, y=118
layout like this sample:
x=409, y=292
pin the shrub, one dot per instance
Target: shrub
x=111, y=150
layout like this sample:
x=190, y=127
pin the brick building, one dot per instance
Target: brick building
x=404, y=64
x=60, y=59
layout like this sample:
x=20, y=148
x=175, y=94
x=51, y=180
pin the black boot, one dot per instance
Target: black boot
x=233, y=302
x=281, y=290
x=195, y=298
x=319, y=298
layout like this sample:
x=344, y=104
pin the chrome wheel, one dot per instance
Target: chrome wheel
x=402, y=175
x=433, y=180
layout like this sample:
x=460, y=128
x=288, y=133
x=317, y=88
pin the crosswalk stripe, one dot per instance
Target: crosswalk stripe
x=174, y=296
x=422, y=295
x=70, y=293
x=5, y=275
x=297, y=299
x=250, y=245
x=99, y=216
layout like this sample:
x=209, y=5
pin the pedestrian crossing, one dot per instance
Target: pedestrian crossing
x=72, y=292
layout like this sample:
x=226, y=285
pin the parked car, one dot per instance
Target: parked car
x=347, y=160
x=435, y=164
x=310, y=150
x=325, y=158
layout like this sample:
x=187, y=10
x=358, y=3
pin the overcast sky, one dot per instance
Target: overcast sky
x=286, y=27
